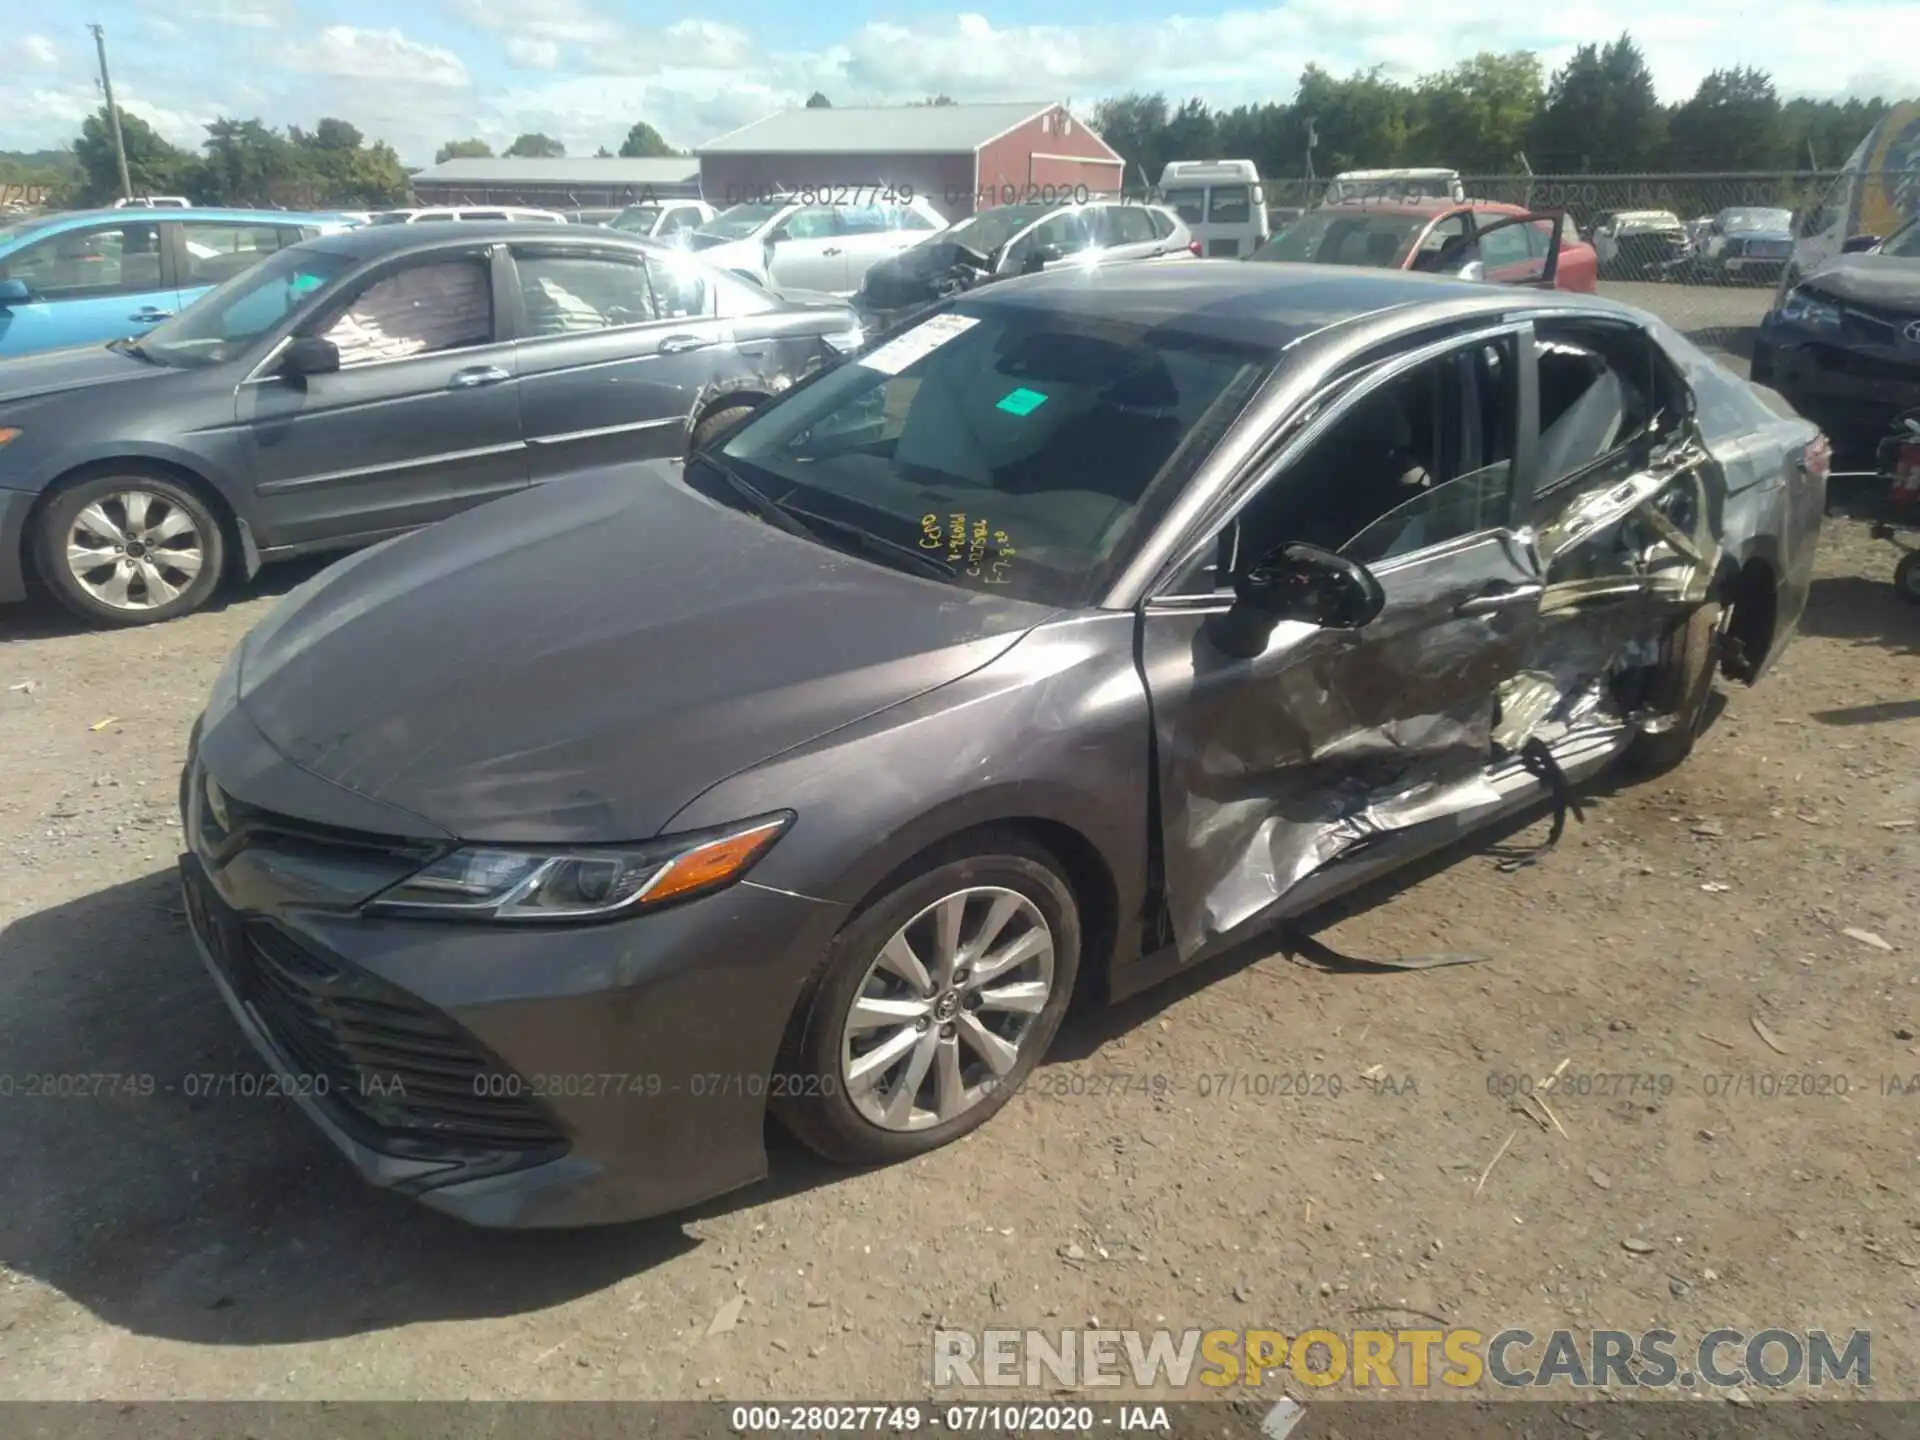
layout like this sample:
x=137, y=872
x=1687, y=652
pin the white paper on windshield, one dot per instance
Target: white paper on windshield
x=925, y=338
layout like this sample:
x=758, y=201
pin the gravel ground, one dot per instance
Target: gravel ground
x=1693, y=932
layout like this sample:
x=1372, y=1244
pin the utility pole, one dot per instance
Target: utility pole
x=113, y=112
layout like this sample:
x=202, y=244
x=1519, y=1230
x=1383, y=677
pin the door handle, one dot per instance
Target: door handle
x=477, y=376
x=831, y=250
x=1494, y=599
x=148, y=314
x=680, y=344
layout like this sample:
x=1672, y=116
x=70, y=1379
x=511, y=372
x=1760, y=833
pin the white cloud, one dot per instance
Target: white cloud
x=37, y=52
x=348, y=51
x=524, y=54
x=560, y=22
x=248, y=14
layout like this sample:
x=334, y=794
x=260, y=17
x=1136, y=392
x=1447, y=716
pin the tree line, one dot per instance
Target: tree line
x=1499, y=114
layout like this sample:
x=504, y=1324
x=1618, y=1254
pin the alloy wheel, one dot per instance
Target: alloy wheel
x=134, y=550
x=942, y=1014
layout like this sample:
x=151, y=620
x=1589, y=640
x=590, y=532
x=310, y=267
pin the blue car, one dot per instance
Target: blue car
x=94, y=275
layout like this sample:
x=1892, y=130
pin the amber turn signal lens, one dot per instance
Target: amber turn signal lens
x=8, y=434
x=713, y=863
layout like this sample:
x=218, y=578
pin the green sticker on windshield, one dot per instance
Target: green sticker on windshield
x=1022, y=401
x=301, y=284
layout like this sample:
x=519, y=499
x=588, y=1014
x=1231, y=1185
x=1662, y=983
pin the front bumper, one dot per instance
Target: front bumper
x=510, y=1076
x=1852, y=394
x=14, y=505
x=1756, y=269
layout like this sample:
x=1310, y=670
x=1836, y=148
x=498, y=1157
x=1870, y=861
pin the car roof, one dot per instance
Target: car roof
x=133, y=214
x=1260, y=304
x=368, y=242
x=1423, y=205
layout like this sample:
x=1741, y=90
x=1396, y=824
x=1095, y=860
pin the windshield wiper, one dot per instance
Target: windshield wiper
x=809, y=526
x=133, y=348
x=872, y=542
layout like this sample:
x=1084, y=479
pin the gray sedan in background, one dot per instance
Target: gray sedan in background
x=544, y=851
x=360, y=385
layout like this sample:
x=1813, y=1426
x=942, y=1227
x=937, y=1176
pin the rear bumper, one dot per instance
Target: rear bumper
x=14, y=505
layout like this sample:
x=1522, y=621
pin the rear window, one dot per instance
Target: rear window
x=1230, y=205
x=1163, y=223
x=1189, y=205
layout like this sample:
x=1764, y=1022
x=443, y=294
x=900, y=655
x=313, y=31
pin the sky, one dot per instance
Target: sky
x=419, y=72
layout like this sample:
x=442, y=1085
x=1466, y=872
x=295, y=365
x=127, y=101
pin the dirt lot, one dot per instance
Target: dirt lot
x=1683, y=952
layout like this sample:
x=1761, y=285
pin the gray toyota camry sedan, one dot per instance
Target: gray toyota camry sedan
x=1065, y=637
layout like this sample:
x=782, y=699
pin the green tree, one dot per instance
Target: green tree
x=1474, y=117
x=537, y=147
x=248, y=163
x=817, y=101
x=475, y=149
x=643, y=141
x=935, y=100
x=1360, y=122
x=1135, y=125
x=1732, y=122
x=1636, y=130
x=1601, y=114
x=155, y=166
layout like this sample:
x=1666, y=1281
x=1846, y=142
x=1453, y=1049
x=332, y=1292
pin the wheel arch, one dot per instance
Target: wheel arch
x=1749, y=587
x=216, y=500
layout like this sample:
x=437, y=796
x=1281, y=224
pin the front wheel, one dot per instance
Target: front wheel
x=130, y=549
x=1906, y=577
x=933, y=1006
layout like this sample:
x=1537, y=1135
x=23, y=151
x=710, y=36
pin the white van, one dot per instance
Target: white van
x=1221, y=202
x=468, y=212
x=1419, y=183
x=1876, y=192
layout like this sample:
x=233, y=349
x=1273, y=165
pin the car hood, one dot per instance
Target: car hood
x=576, y=663
x=50, y=372
x=1885, y=280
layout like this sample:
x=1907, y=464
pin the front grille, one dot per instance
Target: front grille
x=402, y=1072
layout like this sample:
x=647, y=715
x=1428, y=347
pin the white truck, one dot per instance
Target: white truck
x=1417, y=183
x=1221, y=202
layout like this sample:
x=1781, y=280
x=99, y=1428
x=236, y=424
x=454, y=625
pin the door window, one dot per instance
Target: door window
x=1162, y=223
x=863, y=219
x=1189, y=205
x=1229, y=205
x=81, y=264
x=1129, y=225
x=424, y=309
x=1507, y=245
x=682, y=218
x=216, y=252
x=566, y=294
x=679, y=290
x=814, y=223
x=1448, y=230
x=905, y=217
x=1425, y=458
x=1599, y=389
x=1070, y=231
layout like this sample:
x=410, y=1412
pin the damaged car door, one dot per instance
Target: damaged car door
x=1295, y=739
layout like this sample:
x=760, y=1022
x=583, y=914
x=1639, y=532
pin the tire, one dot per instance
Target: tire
x=715, y=427
x=181, y=548
x=1682, y=687
x=1906, y=577
x=823, y=1102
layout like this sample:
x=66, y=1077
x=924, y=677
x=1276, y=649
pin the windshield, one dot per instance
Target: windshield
x=1777, y=221
x=990, y=229
x=231, y=316
x=1189, y=205
x=1017, y=449
x=743, y=221
x=1904, y=242
x=1338, y=237
x=638, y=218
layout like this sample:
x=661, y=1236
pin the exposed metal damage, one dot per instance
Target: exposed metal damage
x=1620, y=568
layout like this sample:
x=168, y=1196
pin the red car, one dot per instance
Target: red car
x=1482, y=239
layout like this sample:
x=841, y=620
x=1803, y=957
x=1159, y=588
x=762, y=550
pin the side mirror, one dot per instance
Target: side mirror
x=14, y=292
x=1472, y=270
x=310, y=355
x=1859, y=244
x=1302, y=583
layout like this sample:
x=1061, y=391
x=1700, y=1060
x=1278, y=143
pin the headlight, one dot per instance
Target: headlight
x=584, y=882
x=847, y=341
x=1805, y=307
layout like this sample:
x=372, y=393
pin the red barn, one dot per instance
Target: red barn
x=961, y=157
